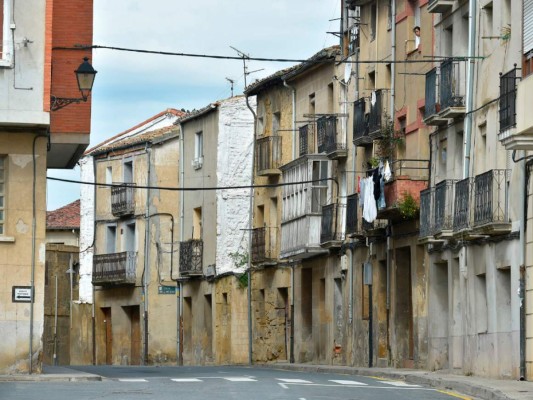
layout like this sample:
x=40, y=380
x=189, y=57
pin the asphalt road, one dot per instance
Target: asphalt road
x=220, y=383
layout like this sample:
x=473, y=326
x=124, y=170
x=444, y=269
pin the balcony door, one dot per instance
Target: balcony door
x=111, y=239
x=128, y=171
x=129, y=237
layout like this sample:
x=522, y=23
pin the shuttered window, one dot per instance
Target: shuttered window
x=528, y=37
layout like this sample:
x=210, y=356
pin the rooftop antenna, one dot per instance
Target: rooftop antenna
x=231, y=81
x=244, y=58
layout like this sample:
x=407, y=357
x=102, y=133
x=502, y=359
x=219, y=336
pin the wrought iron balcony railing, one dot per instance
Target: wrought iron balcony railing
x=327, y=135
x=452, y=85
x=262, y=244
x=307, y=139
x=123, y=199
x=440, y=6
x=491, y=197
x=268, y=155
x=377, y=116
x=443, y=206
x=191, y=257
x=432, y=106
x=426, y=216
x=115, y=268
x=508, y=100
x=329, y=231
x=351, y=213
x=461, y=205
x=360, y=124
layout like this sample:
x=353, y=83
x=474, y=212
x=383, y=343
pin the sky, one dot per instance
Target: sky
x=131, y=87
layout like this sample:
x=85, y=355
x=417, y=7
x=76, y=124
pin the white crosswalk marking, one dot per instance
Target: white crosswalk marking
x=241, y=379
x=187, y=380
x=399, y=384
x=343, y=382
x=132, y=380
x=293, y=380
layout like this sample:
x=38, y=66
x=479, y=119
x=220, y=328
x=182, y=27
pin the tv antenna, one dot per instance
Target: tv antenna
x=231, y=81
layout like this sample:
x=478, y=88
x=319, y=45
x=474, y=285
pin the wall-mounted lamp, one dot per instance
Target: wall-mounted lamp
x=85, y=75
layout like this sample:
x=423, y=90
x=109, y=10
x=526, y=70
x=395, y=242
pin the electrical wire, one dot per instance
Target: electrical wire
x=249, y=58
x=192, y=189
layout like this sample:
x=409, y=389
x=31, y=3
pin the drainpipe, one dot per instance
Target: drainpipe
x=293, y=117
x=182, y=234
x=522, y=258
x=93, y=308
x=291, y=344
x=393, y=56
x=146, y=277
x=470, y=87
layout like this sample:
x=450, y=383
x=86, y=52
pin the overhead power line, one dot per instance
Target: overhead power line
x=189, y=189
x=219, y=57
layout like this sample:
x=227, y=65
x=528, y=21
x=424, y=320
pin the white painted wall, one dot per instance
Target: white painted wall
x=86, y=229
x=234, y=168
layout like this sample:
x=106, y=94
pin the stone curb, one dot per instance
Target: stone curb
x=50, y=378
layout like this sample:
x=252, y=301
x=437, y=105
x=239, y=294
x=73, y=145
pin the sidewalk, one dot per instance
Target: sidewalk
x=481, y=388
x=52, y=374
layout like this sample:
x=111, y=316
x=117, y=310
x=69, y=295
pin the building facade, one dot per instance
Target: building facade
x=33, y=138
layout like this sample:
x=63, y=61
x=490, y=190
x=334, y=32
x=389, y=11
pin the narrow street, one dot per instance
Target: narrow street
x=217, y=383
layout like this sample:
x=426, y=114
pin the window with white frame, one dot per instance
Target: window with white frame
x=198, y=150
x=6, y=34
x=2, y=195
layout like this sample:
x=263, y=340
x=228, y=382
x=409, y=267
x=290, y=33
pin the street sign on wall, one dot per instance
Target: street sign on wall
x=167, y=290
x=21, y=294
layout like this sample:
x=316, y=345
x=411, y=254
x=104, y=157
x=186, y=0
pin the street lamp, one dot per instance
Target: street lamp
x=85, y=75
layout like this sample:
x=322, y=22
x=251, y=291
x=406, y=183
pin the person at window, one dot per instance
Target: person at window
x=416, y=30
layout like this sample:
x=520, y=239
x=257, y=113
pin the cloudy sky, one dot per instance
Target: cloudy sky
x=132, y=87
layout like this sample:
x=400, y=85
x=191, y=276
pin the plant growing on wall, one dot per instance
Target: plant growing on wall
x=390, y=140
x=408, y=206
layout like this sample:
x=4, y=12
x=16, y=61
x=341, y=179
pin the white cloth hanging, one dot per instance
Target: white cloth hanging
x=370, y=211
x=387, y=174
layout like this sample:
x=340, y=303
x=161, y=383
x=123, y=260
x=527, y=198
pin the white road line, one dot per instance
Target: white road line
x=240, y=379
x=186, y=380
x=293, y=380
x=399, y=384
x=342, y=382
x=132, y=380
x=284, y=386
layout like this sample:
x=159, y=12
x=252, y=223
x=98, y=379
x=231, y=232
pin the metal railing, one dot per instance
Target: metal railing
x=268, y=153
x=377, y=113
x=326, y=127
x=451, y=87
x=410, y=167
x=508, y=100
x=431, y=107
x=328, y=230
x=461, y=205
x=360, y=123
x=352, y=203
x=261, y=249
x=123, y=199
x=444, y=205
x=426, y=216
x=191, y=257
x=307, y=139
x=491, y=197
x=114, y=268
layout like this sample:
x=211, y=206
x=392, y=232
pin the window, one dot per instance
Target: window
x=198, y=150
x=373, y=21
x=5, y=33
x=111, y=239
x=128, y=172
x=109, y=175
x=276, y=117
x=320, y=188
x=2, y=194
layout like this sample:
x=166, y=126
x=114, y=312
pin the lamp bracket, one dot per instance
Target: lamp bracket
x=56, y=103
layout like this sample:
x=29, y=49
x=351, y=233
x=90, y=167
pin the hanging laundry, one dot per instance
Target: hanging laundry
x=387, y=175
x=369, y=207
x=376, y=177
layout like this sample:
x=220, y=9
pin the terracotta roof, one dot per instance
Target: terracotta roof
x=326, y=54
x=66, y=217
x=173, y=111
x=130, y=141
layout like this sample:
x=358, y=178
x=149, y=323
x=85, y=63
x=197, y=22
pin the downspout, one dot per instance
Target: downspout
x=293, y=118
x=93, y=308
x=182, y=233
x=470, y=85
x=146, y=277
x=522, y=267
x=291, y=344
x=250, y=227
x=33, y=239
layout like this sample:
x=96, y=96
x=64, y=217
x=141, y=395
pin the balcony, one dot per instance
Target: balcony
x=123, y=199
x=513, y=113
x=268, y=156
x=330, y=234
x=307, y=140
x=302, y=206
x=443, y=209
x=432, y=107
x=440, y=6
x=378, y=117
x=352, y=217
x=327, y=139
x=481, y=205
x=191, y=257
x=409, y=177
x=263, y=245
x=356, y=3
x=452, y=89
x=360, y=124
x=114, y=269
